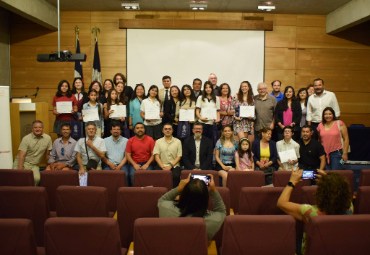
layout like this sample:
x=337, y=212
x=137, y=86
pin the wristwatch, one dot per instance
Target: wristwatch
x=291, y=184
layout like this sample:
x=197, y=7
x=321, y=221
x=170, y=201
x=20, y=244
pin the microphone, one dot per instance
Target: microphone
x=37, y=91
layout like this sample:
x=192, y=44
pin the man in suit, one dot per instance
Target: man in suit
x=164, y=94
x=197, y=87
x=197, y=150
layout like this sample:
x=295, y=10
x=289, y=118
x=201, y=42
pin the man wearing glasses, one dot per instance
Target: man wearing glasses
x=63, y=156
x=290, y=147
x=265, y=107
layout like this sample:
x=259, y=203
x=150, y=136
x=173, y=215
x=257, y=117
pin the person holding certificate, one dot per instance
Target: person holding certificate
x=186, y=104
x=111, y=101
x=123, y=100
x=288, y=151
x=135, y=104
x=208, y=109
x=93, y=107
x=99, y=90
x=118, y=77
x=152, y=113
x=265, y=154
x=107, y=85
x=64, y=106
x=243, y=126
x=288, y=112
x=169, y=108
x=227, y=114
x=78, y=90
x=226, y=147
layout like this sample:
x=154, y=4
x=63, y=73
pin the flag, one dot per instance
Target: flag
x=78, y=64
x=96, y=74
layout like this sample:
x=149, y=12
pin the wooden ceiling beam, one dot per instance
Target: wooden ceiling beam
x=197, y=24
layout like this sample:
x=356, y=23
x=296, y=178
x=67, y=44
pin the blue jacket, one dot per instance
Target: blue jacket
x=256, y=149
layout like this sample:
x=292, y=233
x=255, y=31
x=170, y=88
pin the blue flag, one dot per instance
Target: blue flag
x=96, y=74
x=78, y=64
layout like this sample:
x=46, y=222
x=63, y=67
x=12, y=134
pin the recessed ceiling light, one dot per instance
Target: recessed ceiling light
x=201, y=8
x=130, y=6
x=196, y=7
x=266, y=7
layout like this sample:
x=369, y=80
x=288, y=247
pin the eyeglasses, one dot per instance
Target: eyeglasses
x=261, y=89
x=62, y=151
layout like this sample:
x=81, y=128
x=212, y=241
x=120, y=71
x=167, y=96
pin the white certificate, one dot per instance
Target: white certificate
x=119, y=111
x=90, y=114
x=152, y=113
x=64, y=107
x=287, y=155
x=186, y=115
x=209, y=113
x=246, y=111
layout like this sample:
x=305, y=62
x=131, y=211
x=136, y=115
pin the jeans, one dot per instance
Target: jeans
x=335, y=157
x=124, y=168
x=131, y=171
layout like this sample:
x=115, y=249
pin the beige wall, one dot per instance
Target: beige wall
x=4, y=48
x=296, y=51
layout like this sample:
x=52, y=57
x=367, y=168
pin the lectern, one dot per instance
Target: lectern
x=21, y=117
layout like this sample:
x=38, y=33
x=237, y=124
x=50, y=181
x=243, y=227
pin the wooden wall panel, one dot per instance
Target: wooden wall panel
x=279, y=58
x=315, y=37
x=336, y=80
x=287, y=78
x=44, y=95
x=279, y=20
x=353, y=102
x=109, y=72
x=349, y=119
x=112, y=56
x=311, y=20
x=218, y=15
x=110, y=34
x=75, y=17
x=281, y=36
x=334, y=59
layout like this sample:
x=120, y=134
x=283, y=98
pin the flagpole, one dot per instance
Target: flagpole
x=77, y=31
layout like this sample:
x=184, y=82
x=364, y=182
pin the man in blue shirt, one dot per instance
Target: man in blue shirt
x=115, y=157
x=276, y=85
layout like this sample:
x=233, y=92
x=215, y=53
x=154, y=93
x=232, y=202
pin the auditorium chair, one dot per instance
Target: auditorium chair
x=82, y=202
x=154, y=178
x=51, y=180
x=185, y=174
x=348, y=174
x=82, y=236
x=180, y=236
x=281, y=179
x=309, y=195
x=111, y=180
x=338, y=234
x=260, y=201
x=364, y=178
x=362, y=203
x=14, y=177
x=134, y=203
x=26, y=203
x=17, y=238
x=239, y=179
x=258, y=235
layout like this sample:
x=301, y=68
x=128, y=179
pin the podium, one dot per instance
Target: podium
x=21, y=117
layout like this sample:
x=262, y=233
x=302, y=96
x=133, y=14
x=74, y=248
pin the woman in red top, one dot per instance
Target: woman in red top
x=78, y=90
x=63, y=94
x=331, y=131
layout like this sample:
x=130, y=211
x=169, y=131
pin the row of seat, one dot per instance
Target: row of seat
x=112, y=180
x=243, y=234
x=133, y=203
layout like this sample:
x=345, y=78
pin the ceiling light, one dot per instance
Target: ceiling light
x=266, y=7
x=130, y=6
x=196, y=7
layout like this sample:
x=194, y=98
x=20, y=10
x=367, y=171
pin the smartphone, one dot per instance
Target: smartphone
x=309, y=174
x=341, y=161
x=202, y=177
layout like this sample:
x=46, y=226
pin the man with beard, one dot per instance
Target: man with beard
x=139, y=151
x=318, y=102
x=197, y=150
x=311, y=151
x=276, y=86
x=167, y=153
x=63, y=156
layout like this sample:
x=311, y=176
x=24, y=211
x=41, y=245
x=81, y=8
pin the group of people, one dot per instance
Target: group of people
x=304, y=126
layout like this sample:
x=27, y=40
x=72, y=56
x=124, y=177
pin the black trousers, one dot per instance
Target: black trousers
x=314, y=127
x=176, y=174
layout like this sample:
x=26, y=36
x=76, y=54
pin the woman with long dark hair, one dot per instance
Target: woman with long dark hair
x=226, y=114
x=243, y=126
x=119, y=77
x=78, y=89
x=302, y=95
x=288, y=112
x=64, y=94
x=153, y=127
x=331, y=132
x=123, y=100
x=193, y=202
x=94, y=103
x=107, y=85
x=187, y=102
x=169, y=107
x=135, y=103
x=95, y=85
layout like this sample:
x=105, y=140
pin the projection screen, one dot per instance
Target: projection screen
x=233, y=55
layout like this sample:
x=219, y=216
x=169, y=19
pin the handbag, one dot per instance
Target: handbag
x=91, y=163
x=76, y=128
x=183, y=129
x=341, y=138
x=219, y=124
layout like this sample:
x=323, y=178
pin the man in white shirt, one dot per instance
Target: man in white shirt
x=318, y=102
x=288, y=144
